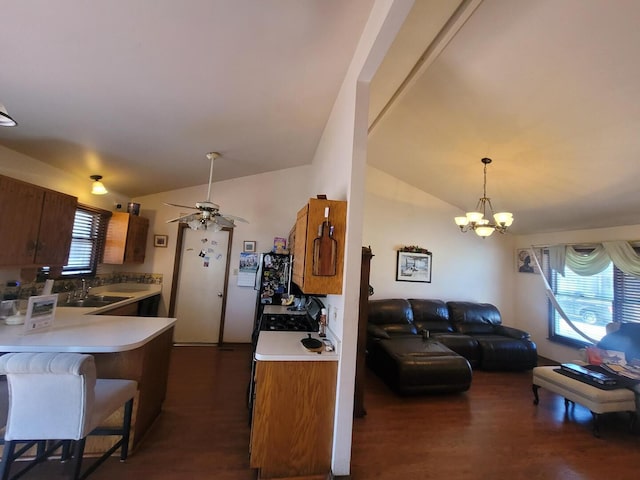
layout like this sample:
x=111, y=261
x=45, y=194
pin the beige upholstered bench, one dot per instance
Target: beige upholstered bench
x=597, y=400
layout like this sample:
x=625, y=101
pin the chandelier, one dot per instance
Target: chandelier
x=476, y=220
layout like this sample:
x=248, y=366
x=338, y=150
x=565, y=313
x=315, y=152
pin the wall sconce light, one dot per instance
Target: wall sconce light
x=5, y=118
x=97, y=187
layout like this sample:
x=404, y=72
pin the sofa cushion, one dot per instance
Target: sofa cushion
x=464, y=345
x=474, y=318
x=432, y=315
x=393, y=315
x=505, y=353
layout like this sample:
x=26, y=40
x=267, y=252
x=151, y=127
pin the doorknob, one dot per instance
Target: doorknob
x=220, y=294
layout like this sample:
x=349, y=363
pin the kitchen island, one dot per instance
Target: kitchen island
x=292, y=424
x=134, y=348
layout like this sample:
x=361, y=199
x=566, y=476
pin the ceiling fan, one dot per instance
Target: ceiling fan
x=209, y=214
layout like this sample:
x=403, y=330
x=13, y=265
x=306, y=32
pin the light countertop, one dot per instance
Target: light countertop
x=78, y=329
x=135, y=292
x=286, y=346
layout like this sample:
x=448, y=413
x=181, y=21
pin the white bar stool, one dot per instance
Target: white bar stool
x=56, y=396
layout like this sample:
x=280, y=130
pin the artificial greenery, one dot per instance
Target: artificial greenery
x=414, y=249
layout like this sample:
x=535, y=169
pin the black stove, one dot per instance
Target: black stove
x=284, y=322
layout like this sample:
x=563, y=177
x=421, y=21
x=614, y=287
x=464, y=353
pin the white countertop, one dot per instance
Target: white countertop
x=78, y=329
x=136, y=292
x=286, y=347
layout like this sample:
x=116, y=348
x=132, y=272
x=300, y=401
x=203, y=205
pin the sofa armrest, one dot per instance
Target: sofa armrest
x=376, y=332
x=512, y=332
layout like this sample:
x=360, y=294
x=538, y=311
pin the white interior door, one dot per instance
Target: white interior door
x=200, y=286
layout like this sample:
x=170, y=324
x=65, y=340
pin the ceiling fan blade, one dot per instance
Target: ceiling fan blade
x=182, y=218
x=234, y=218
x=180, y=206
x=223, y=222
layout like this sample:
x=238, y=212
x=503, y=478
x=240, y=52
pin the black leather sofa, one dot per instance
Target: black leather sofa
x=424, y=345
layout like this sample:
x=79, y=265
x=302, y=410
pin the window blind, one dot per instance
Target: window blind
x=87, y=243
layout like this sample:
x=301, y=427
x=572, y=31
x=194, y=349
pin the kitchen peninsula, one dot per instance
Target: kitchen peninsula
x=135, y=348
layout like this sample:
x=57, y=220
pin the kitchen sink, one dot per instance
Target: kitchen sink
x=94, y=301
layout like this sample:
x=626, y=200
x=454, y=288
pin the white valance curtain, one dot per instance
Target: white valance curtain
x=621, y=253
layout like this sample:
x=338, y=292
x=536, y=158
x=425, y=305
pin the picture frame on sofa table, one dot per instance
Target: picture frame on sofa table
x=413, y=267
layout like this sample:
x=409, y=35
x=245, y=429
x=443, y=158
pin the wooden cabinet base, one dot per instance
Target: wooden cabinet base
x=149, y=366
x=292, y=431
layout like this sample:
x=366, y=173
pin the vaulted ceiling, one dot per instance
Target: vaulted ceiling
x=140, y=91
x=547, y=89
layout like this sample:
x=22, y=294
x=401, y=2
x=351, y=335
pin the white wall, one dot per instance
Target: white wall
x=339, y=165
x=530, y=299
x=465, y=267
x=269, y=201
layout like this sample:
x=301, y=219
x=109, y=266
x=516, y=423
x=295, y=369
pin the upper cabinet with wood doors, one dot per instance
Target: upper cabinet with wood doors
x=318, y=246
x=36, y=224
x=126, y=240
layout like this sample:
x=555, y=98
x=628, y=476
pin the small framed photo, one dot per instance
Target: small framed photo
x=160, y=240
x=249, y=246
x=413, y=267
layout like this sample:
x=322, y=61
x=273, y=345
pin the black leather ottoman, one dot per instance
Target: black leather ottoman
x=464, y=345
x=411, y=365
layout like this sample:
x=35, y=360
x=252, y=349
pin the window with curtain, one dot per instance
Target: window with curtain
x=591, y=302
x=87, y=242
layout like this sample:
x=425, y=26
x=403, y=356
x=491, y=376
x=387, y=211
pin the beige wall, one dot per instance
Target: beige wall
x=465, y=266
x=269, y=202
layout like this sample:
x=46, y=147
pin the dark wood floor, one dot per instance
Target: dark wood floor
x=493, y=431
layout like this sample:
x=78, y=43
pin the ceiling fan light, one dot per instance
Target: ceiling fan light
x=5, y=118
x=484, y=231
x=98, y=188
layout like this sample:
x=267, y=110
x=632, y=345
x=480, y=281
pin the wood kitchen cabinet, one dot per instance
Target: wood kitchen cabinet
x=292, y=427
x=36, y=224
x=126, y=240
x=146, y=307
x=306, y=232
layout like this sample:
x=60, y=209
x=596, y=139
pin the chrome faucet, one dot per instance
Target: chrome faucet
x=85, y=290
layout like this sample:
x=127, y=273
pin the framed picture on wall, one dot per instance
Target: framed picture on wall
x=525, y=262
x=160, y=240
x=413, y=267
x=249, y=246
